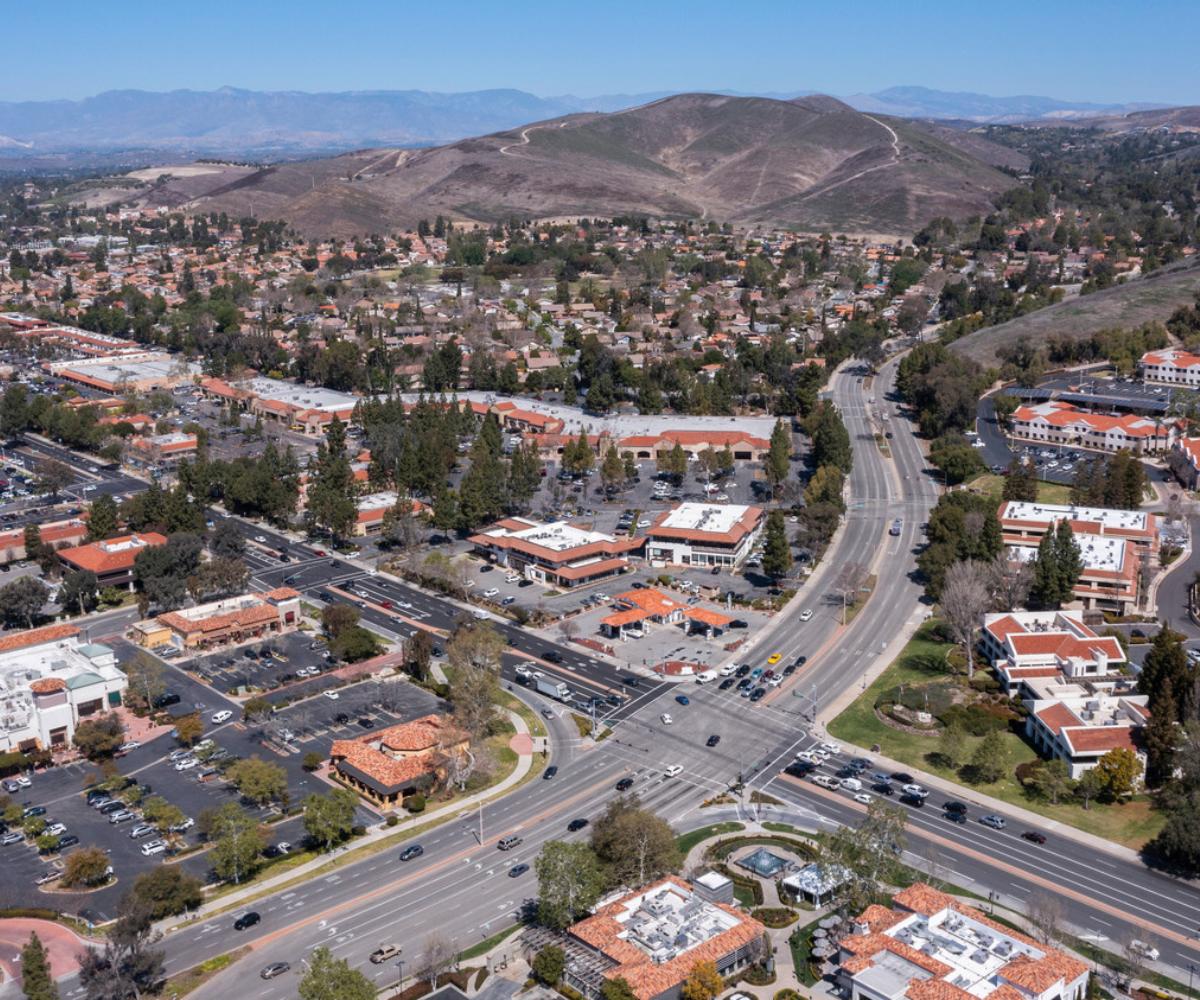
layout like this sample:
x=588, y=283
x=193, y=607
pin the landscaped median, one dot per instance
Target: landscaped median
x=907, y=710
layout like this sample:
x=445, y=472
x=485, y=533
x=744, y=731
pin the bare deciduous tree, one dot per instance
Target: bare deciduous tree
x=1045, y=913
x=965, y=597
x=1010, y=580
x=437, y=956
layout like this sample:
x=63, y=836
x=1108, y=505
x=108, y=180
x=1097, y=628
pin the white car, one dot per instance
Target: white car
x=673, y=770
x=222, y=716
x=491, y=592
x=23, y=781
x=917, y=790
x=665, y=719
x=1146, y=950
x=404, y=604
x=55, y=829
x=331, y=695
x=152, y=847
x=806, y=614
x=186, y=764
x=728, y=669
x=863, y=797
x=512, y=578
x=261, y=539
x=831, y=747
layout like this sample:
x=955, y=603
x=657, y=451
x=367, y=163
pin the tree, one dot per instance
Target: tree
x=1161, y=737
x=102, y=518
x=100, y=736
x=1045, y=913
x=1020, y=483
x=78, y=591
x=617, y=989
x=419, y=652
x=965, y=597
x=329, y=978
x=1052, y=780
x=825, y=486
x=549, y=964
x=1009, y=581
x=161, y=572
x=147, y=682
x=166, y=891
x=260, y=781
x=1119, y=770
x=779, y=455
x=189, y=729
x=86, y=867
x=55, y=476
x=336, y=618
x=871, y=853
x=1089, y=786
x=473, y=654
x=703, y=982
x=127, y=968
x=161, y=813
x=22, y=600
x=1168, y=674
x=777, y=554
x=329, y=818
x=830, y=439
x=237, y=842
x=36, y=981
x=952, y=746
x=354, y=644
x=634, y=845
x=330, y=505
x=227, y=541
x=612, y=469
x=437, y=956
x=14, y=411
x=569, y=883
x=987, y=762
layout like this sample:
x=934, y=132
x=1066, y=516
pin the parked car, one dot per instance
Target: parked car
x=673, y=770
x=713, y=740
x=122, y=816
x=624, y=784
x=153, y=847
x=683, y=699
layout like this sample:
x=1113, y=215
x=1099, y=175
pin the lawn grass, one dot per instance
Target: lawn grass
x=687, y=841
x=190, y=979
x=1130, y=824
x=800, y=944
x=487, y=944
x=993, y=485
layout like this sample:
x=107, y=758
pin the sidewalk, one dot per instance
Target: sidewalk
x=379, y=833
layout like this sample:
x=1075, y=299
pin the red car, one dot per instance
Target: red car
x=1034, y=837
x=386, y=604
x=318, y=552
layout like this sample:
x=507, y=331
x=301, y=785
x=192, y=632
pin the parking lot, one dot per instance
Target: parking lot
x=264, y=665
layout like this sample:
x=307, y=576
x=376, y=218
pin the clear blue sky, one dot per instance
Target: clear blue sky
x=1098, y=50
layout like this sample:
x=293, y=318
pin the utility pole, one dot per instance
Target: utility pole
x=481, y=823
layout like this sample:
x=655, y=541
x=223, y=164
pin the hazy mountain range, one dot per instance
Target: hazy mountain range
x=283, y=124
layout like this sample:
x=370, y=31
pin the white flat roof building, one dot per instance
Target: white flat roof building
x=49, y=681
x=704, y=534
x=302, y=397
x=1099, y=552
x=1108, y=518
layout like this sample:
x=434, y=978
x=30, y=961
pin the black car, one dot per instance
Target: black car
x=883, y=788
x=34, y=811
x=552, y=656
x=341, y=718
x=739, y=623
x=758, y=694
x=629, y=680
x=726, y=684
x=1034, y=837
x=954, y=806
x=712, y=741
x=366, y=723
x=860, y=763
x=800, y=661
x=917, y=801
x=95, y=795
x=550, y=772
x=744, y=683
x=518, y=870
x=742, y=671
x=624, y=784
x=246, y=920
x=953, y=817
x=70, y=840
x=412, y=851
x=789, y=670
x=525, y=583
x=799, y=769
x=903, y=777
x=577, y=824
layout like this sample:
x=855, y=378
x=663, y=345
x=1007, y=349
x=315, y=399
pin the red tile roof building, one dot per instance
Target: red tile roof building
x=1069, y=678
x=387, y=765
x=234, y=619
x=558, y=554
x=111, y=560
x=653, y=938
x=54, y=535
x=744, y=447
x=931, y=946
x=1060, y=423
x=1174, y=367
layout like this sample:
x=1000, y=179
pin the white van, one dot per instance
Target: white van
x=852, y=784
x=706, y=676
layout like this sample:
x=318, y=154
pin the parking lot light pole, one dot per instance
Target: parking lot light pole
x=400, y=972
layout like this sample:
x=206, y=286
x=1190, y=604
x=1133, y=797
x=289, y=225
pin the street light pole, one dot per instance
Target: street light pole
x=400, y=970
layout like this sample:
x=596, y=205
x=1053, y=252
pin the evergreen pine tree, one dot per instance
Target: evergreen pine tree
x=36, y=980
x=777, y=554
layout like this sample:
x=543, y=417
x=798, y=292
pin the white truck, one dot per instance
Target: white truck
x=553, y=688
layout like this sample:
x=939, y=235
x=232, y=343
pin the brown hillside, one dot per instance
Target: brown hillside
x=811, y=163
